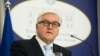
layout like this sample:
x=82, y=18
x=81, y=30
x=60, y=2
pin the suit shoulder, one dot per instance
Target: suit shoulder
x=60, y=46
x=57, y=46
x=65, y=51
x=21, y=42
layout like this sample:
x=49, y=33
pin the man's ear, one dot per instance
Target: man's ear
x=36, y=26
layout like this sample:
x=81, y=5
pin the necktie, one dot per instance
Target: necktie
x=48, y=50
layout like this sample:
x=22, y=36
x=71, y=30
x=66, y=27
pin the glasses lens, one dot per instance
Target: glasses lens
x=56, y=24
x=45, y=23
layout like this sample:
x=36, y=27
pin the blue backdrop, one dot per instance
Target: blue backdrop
x=89, y=7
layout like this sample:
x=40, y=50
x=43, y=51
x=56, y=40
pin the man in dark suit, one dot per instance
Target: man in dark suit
x=47, y=28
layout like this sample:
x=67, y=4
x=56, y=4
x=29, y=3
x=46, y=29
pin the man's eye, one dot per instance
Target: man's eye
x=56, y=23
x=45, y=22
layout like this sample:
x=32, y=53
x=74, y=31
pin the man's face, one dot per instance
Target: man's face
x=48, y=27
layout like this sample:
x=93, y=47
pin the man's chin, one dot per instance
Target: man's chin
x=49, y=34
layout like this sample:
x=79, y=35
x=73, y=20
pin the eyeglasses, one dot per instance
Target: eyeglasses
x=47, y=23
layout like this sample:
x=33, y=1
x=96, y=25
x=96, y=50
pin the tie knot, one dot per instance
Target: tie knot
x=48, y=50
x=47, y=47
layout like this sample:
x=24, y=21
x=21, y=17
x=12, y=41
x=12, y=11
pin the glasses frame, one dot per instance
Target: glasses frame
x=47, y=23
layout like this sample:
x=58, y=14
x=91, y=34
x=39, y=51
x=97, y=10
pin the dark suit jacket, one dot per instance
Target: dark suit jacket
x=32, y=48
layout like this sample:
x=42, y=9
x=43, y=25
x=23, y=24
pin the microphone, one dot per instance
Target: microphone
x=92, y=51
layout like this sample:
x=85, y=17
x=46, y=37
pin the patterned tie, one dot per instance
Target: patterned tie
x=48, y=50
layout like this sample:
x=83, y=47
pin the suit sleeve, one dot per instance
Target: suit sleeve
x=17, y=49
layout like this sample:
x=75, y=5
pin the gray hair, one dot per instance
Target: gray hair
x=39, y=18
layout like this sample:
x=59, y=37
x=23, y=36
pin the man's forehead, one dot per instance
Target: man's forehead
x=50, y=17
x=41, y=17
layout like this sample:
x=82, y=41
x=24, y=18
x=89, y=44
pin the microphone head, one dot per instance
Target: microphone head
x=71, y=35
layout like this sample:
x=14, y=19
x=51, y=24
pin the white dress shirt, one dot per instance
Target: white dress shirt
x=42, y=44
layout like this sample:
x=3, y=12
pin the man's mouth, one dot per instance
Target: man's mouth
x=50, y=32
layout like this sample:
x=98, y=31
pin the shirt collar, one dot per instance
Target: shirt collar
x=41, y=43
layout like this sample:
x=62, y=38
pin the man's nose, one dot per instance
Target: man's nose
x=50, y=26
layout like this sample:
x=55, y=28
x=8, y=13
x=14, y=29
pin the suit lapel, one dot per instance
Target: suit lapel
x=56, y=48
x=36, y=47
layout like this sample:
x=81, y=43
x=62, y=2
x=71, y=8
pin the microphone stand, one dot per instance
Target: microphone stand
x=92, y=51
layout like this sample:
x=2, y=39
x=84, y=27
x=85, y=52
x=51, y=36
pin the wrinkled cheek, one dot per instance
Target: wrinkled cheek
x=41, y=32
